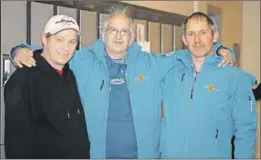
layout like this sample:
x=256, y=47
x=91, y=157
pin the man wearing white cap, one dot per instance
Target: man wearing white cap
x=44, y=115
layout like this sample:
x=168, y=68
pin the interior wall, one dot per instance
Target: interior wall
x=250, y=60
x=231, y=11
x=250, y=56
x=231, y=20
x=178, y=7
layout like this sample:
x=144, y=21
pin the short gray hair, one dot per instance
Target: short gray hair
x=119, y=10
x=200, y=16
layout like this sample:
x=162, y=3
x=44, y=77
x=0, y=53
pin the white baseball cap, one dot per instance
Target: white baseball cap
x=58, y=23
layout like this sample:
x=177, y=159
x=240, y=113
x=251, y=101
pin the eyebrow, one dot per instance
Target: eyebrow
x=116, y=27
x=198, y=31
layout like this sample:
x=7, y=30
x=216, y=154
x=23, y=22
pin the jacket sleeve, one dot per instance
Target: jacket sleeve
x=169, y=60
x=217, y=46
x=74, y=62
x=18, y=128
x=245, y=118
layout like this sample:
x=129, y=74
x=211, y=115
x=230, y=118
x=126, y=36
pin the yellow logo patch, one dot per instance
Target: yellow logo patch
x=211, y=87
x=140, y=77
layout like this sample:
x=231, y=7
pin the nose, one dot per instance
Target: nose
x=118, y=34
x=65, y=46
x=197, y=38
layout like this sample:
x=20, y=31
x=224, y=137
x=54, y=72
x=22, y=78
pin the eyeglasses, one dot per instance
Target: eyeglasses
x=114, y=31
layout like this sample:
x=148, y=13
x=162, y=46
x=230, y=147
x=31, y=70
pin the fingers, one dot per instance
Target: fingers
x=221, y=64
x=24, y=56
x=18, y=64
x=226, y=62
x=30, y=53
x=232, y=63
x=30, y=61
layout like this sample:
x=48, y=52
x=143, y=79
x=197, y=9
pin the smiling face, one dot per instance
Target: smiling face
x=60, y=47
x=199, y=37
x=117, y=36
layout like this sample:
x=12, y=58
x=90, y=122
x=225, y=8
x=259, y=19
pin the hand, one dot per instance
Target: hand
x=227, y=58
x=24, y=56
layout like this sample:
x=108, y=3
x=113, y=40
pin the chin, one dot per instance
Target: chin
x=63, y=61
x=118, y=51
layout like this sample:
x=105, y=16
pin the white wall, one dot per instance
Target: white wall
x=13, y=30
x=250, y=56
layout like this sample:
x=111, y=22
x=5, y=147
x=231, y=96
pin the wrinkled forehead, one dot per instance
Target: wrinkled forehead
x=119, y=21
x=197, y=22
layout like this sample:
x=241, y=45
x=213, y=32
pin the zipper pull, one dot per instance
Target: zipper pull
x=191, y=94
x=216, y=133
x=68, y=115
x=102, y=84
x=78, y=111
x=251, y=103
x=182, y=78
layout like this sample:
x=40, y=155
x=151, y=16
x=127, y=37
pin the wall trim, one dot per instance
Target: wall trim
x=137, y=12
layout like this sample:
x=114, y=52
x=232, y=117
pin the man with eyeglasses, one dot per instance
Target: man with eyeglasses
x=119, y=85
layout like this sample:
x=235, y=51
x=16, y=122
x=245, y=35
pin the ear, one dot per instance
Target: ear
x=184, y=40
x=131, y=40
x=215, y=36
x=103, y=37
x=44, y=39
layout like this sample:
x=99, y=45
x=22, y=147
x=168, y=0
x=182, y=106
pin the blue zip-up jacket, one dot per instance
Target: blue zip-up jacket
x=201, y=116
x=145, y=72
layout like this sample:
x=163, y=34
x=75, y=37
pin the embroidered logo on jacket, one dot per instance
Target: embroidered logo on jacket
x=117, y=81
x=140, y=77
x=211, y=88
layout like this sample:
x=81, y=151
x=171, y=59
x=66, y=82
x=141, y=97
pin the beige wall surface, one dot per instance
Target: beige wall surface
x=179, y=7
x=231, y=20
x=231, y=17
x=166, y=38
x=250, y=56
x=154, y=37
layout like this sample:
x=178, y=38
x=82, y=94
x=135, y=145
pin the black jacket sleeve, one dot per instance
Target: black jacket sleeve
x=257, y=92
x=19, y=131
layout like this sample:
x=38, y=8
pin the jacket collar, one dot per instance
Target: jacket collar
x=211, y=59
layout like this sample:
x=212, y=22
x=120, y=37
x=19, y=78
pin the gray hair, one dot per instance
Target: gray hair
x=200, y=16
x=119, y=10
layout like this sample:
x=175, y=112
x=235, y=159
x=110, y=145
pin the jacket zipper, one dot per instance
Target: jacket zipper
x=251, y=103
x=216, y=136
x=127, y=82
x=191, y=93
x=216, y=143
x=192, y=89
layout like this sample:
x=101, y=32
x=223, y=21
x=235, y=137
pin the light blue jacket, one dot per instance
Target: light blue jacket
x=201, y=117
x=145, y=72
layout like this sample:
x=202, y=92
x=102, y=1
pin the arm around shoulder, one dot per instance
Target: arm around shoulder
x=21, y=45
